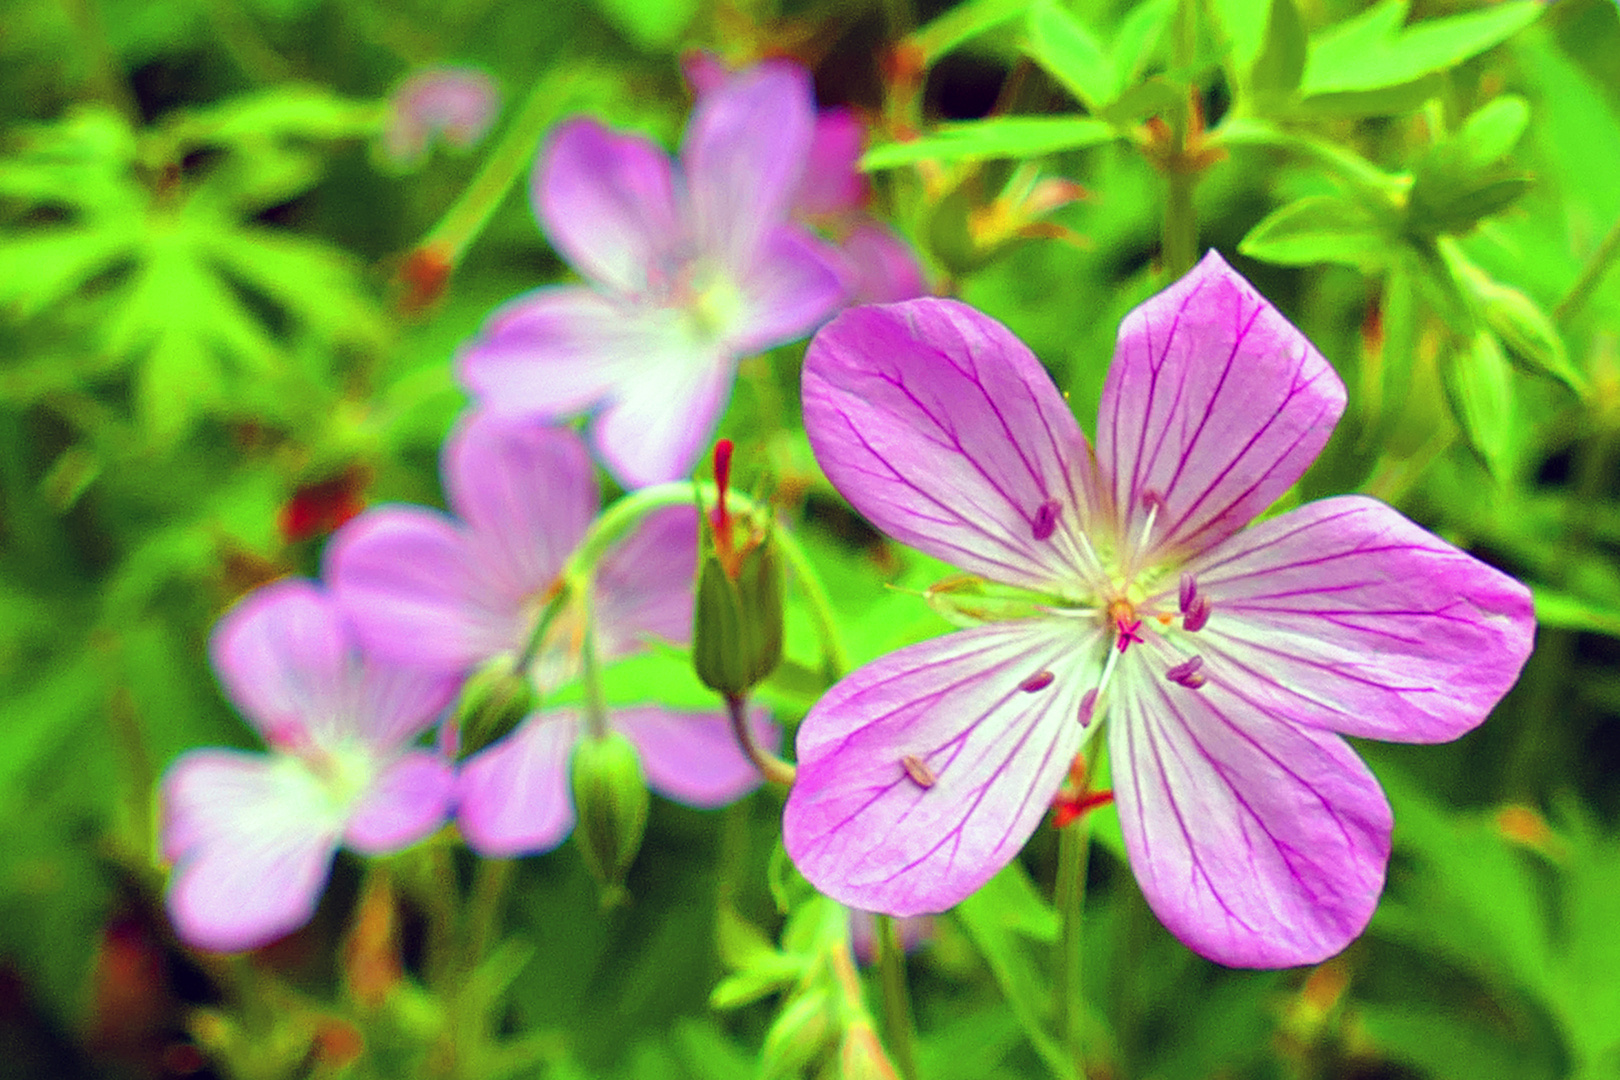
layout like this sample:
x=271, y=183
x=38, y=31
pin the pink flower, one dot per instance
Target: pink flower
x=252, y=836
x=687, y=271
x=1227, y=661
x=452, y=593
x=458, y=103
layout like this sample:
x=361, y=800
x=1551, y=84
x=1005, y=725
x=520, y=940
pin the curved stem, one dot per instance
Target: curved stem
x=770, y=766
x=897, y=1019
x=1070, y=900
x=1591, y=274
x=484, y=907
x=596, y=724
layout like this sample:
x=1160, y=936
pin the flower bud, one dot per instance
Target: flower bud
x=494, y=701
x=610, y=797
x=738, y=620
x=802, y=1032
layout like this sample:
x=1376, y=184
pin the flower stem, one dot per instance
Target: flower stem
x=484, y=907
x=897, y=1019
x=1070, y=900
x=591, y=669
x=1591, y=274
x=1180, y=231
x=770, y=766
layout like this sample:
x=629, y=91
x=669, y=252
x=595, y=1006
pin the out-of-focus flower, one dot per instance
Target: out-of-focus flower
x=833, y=195
x=252, y=836
x=687, y=270
x=454, y=593
x=457, y=104
x=863, y=939
x=1227, y=660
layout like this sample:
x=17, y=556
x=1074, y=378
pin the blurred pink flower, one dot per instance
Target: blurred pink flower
x=251, y=836
x=455, y=103
x=687, y=270
x=1228, y=661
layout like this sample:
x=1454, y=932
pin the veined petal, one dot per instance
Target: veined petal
x=514, y=797
x=407, y=801
x=1257, y=842
x=1345, y=615
x=693, y=758
x=1214, y=405
x=397, y=702
x=607, y=201
x=285, y=657
x=527, y=491
x=658, y=426
x=252, y=838
x=410, y=583
x=833, y=182
x=644, y=584
x=921, y=774
x=945, y=431
x=743, y=153
x=796, y=283
x=561, y=350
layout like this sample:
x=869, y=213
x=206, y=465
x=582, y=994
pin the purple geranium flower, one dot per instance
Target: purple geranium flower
x=687, y=271
x=252, y=836
x=1227, y=660
x=450, y=595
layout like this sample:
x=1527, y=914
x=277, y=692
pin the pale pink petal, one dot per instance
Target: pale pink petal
x=284, y=655
x=514, y=798
x=743, y=154
x=406, y=802
x=882, y=268
x=251, y=837
x=607, y=201
x=659, y=426
x=922, y=774
x=527, y=491
x=704, y=72
x=796, y=283
x=1257, y=842
x=1344, y=615
x=644, y=584
x=833, y=182
x=561, y=350
x=410, y=583
x=693, y=758
x=940, y=427
x=396, y=703
x=1214, y=405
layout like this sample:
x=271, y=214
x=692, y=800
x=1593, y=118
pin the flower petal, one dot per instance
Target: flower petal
x=411, y=798
x=1214, y=405
x=797, y=282
x=284, y=655
x=693, y=758
x=882, y=268
x=1347, y=616
x=410, y=583
x=944, y=430
x=607, y=201
x=527, y=491
x=644, y=584
x=743, y=154
x=561, y=350
x=1257, y=842
x=252, y=838
x=833, y=182
x=514, y=797
x=657, y=428
x=923, y=773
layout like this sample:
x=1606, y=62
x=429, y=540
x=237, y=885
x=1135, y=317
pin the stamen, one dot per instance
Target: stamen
x=1187, y=674
x=1045, y=523
x=1152, y=500
x=1038, y=681
x=1128, y=632
x=1088, y=705
x=1189, y=591
x=1195, y=607
x=918, y=770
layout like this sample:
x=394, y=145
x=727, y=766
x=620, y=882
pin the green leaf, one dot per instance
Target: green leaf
x=1139, y=38
x=1244, y=23
x=1281, y=64
x=1068, y=51
x=1493, y=130
x=1564, y=611
x=1479, y=383
x=1528, y=332
x=964, y=22
x=653, y=25
x=1323, y=228
x=999, y=137
x=1374, y=51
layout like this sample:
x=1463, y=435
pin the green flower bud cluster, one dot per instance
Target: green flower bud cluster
x=610, y=798
x=737, y=623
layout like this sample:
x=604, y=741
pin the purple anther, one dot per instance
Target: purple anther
x=918, y=770
x=1196, y=616
x=1038, y=681
x=1187, y=673
x=1152, y=499
x=1088, y=705
x=1189, y=591
x=1045, y=522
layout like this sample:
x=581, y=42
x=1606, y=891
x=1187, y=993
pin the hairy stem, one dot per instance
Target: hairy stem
x=1070, y=900
x=897, y=1019
x=769, y=765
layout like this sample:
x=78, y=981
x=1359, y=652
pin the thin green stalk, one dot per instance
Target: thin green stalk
x=1070, y=900
x=490, y=883
x=542, y=626
x=769, y=765
x=106, y=75
x=596, y=725
x=1179, y=237
x=897, y=1019
x=1591, y=274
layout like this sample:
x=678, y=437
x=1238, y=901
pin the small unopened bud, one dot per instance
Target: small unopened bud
x=862, y=1056
x=494, y=701
x=803, y=1031
x=738, y=619
x=610, y=797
